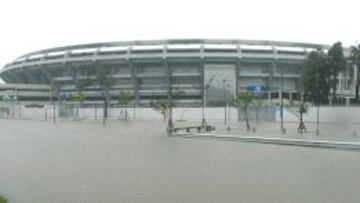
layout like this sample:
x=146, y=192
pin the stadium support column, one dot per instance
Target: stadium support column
x=272, y=70
x=14, y=77
x=203, y=91
x=237, y=70
x=168, y=78
x=133, y=71
x=29, y=76
x=135, y=82
x=203, y=85
x=51, y=82
x=74, y=77
x=47, y=75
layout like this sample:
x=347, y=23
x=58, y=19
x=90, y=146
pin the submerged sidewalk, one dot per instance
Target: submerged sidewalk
x=331, y=135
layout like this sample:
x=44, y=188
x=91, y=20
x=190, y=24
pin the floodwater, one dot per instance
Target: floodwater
x=84, y=162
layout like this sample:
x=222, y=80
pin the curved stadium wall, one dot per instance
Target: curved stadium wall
x=149, y=70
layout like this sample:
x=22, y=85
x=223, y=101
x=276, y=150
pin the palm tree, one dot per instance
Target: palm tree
x=161, y=106
x=165, y=106
x=303, y=109
x=80, y=96
x=79, y=99
x=245, y=101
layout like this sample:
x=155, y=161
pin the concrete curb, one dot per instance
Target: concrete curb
x=275, y=140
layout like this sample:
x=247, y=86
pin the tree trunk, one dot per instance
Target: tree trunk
x=105, y=112
x=247, y=120
x=105, y=96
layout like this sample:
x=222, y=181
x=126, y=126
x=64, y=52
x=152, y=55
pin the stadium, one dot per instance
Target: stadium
x=202, y=71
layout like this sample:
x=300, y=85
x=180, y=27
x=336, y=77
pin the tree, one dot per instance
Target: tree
x=161, y=106
x=355, y=58
x=336, y=63
x=3, y=199
x=244, y=101
x=315, y=77
x=105, y=83
x=79, y=99
x=303, y=109
x=165, y=106
x=124, y=99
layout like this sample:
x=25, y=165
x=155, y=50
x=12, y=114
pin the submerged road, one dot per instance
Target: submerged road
x=135, y=161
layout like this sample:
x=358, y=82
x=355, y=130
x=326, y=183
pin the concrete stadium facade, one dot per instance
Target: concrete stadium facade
x=202, y=70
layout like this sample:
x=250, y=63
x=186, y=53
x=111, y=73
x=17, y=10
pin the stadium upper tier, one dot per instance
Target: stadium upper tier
x=162, y=49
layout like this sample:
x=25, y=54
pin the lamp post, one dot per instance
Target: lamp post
x=203, y=107
x=225, y=96
x=227, y=100
x=281, y=101
x=206, y=87
x=318, y=111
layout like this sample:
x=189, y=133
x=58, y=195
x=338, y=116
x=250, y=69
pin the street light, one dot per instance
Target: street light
x=227, y=99
x=206, y=86
x=281, y=101
x=225, y=96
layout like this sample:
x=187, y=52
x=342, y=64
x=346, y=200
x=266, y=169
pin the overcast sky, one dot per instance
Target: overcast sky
x=31, y=25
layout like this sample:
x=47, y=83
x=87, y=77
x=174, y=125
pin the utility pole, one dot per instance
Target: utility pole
x=225, y=96
x=318, y=112
x=206, y=86
x=281, y=101
x=203, y=107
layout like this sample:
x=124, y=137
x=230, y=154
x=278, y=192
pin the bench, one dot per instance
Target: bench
x=207, y=128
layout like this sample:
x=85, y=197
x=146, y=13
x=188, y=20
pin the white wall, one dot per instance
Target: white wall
x=326, y=114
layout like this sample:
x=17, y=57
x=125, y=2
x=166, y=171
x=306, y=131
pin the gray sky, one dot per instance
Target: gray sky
x=37, y=24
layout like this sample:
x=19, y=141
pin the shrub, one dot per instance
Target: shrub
x=3, y=199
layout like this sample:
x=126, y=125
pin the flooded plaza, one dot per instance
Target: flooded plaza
x=85, y=162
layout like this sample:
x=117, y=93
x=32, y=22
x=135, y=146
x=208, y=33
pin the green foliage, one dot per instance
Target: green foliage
x=355, y=54
x=336, y=63
x=164, y=106
x=124, y=98
x=355, y=57
x=315, y=77
x=303, y=109
x=3, y=199
x=161, y=106
x=105, y=82
x=320, y=73
x=258, y=102
x=244, y=101
x=2, y=100
x=79, y=97
x=82, y=84
x=103, y=79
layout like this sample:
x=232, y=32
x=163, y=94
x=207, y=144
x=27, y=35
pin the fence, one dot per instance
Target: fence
x=344, y=114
